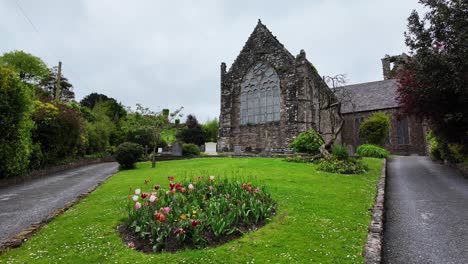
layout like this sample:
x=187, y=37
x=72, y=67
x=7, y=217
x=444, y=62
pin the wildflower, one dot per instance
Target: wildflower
x=182, y=189
x=137, y=206
x=194, y=223
x=144, y=195
x=170, y=178
x=137, y=191
x=152, y=198
x=190, y=187
x=212, y=178
x=135, y=198
x=159, y=217
x=166, y=210
x=131, y=245
x=146, y=181
x=157, y=186
x=180, y=231
x=210, y=188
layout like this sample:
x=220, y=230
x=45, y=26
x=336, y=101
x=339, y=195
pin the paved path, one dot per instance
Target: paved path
x=30, y=202
x=427, y=213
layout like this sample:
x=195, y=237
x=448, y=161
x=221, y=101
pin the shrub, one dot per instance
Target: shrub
x=308, y=142
x=196, y=213
x=433, y=146
x=190, y=149
x=350, y=166
x=456, y=152
x=369, y=150
x=128, y=154
x=15, y=124
x=340, y=152
x=375, y=128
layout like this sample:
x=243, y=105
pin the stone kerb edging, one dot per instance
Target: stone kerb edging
x=28, y=232
x=373, y=249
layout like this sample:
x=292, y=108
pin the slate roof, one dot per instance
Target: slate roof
x=368, y=96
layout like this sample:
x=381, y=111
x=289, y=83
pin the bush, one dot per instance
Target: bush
x=375, y=128
x=340, y=152
x=128, y=154
x=456, y=153
x=308, y=142
x=350, y=166
x=369, y=150
x=196, y=213
x=190, y=149
x=433, y=146
x=15, y=124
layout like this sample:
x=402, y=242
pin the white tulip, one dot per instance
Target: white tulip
x=135, y=198
x=137, y=191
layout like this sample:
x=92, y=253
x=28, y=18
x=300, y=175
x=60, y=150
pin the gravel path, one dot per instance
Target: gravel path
x=24, y=204
x=427, y=213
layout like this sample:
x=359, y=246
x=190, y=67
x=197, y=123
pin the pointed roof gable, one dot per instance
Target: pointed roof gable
x=260, y=40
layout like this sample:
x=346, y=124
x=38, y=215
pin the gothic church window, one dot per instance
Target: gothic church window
x=260, y=95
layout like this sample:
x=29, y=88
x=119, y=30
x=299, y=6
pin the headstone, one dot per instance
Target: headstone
x=176, y=149
x=237, y=150
x=210, y=148
x=160, y=150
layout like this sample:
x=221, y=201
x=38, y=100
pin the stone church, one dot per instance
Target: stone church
x=269, y=96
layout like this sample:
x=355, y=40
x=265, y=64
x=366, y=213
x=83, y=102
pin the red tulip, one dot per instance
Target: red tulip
x=159, y=217
x=194, y=223
x=244, y=185
x=180, y=231
x=157, y=186
x=172, y=185
x=144, y=195
x=178, y=185
x=182, y=189
x=171, y=178
x=250, y=189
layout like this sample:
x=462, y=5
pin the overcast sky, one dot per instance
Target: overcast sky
x=167, y=54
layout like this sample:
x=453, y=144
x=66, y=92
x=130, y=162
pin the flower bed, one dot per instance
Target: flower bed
x=194, y=214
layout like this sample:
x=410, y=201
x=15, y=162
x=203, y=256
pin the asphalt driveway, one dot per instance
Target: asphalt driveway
x=427, y=213
x=24, y=204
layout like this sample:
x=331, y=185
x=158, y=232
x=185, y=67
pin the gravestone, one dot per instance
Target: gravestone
x=160, y=150
x=177, y=149
x=210, y=148
x=237, y=150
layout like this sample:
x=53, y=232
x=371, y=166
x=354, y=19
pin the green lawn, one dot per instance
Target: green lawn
x=321, y=217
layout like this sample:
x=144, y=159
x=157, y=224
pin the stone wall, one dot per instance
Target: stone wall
x=417, y=144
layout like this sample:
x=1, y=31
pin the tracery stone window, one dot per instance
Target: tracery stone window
x=260, y=95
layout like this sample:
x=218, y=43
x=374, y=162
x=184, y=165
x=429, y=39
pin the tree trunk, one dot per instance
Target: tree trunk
x=153, y=159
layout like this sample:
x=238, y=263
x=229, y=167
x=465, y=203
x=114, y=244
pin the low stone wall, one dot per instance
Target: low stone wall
x=52, y=170
x=373, y=250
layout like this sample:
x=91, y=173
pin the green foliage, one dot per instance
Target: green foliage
x=190, y=149
x=211, y=130
x=373, y=151
x=127, y=154
x=59, y=132
x=192, y=132
x=30, y=68
x=15, y=124
x=340, y=152
x=99, y=131
x=349, y=166
x=192, y=212
x=114, y=110
x=457, y=152
x=308, y=142
x=433, y=146
x=375, y=128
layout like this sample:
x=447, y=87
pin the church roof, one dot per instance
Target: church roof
x=369, y=96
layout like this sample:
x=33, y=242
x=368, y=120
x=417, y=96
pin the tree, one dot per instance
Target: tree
x=49, y=84
x=15, y=124
x=29, y=68
x=211, y=130
x=114, y=110
x=192, y=132
x=434, y=81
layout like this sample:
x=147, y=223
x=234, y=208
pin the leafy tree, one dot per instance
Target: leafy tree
x=15, y=124
x=434, y=83
x=91, y=99
x=211, y=130
x=375, y=128
x=192, y=132
x=49, y=84
x=114, y=110
x=30, y=68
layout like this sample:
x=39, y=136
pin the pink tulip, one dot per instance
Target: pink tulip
x=166, y=210
x=152, y=198
x=137, y=206
x=212, y=178
x=210, y=188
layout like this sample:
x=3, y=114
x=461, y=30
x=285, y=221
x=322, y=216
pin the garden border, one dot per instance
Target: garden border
x=373, y=250
x=25, y=234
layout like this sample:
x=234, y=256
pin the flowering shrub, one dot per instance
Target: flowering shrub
x=196, y=213
x=350, y=166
